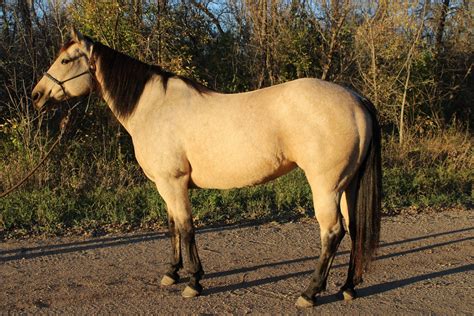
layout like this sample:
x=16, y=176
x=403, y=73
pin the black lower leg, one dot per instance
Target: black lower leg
x=347, y=290
x=350, y=274
x=195, y=268
x=318, y=281
x=176, y=261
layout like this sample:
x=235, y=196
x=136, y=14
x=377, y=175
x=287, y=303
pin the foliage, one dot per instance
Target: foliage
x=412, y=60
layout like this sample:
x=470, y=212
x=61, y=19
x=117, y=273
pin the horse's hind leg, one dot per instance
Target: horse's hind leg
x=326, y=206
x=348, y=212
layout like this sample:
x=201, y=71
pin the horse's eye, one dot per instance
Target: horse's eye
x=65, y=61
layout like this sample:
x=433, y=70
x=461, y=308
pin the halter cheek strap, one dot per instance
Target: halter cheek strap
x=90, y=70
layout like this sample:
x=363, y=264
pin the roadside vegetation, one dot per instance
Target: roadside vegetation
x=412, y=59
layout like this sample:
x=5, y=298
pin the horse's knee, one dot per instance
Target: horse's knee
x=186, y=232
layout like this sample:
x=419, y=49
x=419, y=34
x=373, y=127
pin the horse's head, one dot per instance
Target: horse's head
x=71, y=74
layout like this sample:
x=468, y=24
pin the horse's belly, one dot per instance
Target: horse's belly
x=229, y=173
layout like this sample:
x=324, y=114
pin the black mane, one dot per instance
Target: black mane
x=124, y=78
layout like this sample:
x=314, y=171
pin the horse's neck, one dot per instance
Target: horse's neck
x=141, y=110
x=112, y=106
x=106, y=96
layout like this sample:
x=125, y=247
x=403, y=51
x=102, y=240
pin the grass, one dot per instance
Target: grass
x=52, y=211
x=94, y=183
x=434, y=171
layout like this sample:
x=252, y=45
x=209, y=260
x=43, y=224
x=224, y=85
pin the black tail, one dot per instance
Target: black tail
x=367, y=215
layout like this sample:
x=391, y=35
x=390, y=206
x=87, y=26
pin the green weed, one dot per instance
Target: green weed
x=107, y=189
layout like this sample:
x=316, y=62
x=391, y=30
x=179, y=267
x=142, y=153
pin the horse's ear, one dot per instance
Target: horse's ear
x=83, y=41
x=76, y=36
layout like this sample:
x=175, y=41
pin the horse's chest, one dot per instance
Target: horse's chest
x=159, y=156
x=145, y=163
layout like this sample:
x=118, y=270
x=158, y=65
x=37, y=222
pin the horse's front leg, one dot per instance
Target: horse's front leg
x=171, y=276
x=193, y=288
x=175, y=193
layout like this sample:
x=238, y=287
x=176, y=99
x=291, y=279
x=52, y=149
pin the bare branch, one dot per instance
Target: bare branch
x=213, y=18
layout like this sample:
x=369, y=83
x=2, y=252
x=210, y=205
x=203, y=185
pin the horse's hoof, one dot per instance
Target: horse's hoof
x=189, y=292
x=303, y=302
x=348, y=294
x=167, y=280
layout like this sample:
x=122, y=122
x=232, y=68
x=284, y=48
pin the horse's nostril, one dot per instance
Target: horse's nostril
x=36, y=96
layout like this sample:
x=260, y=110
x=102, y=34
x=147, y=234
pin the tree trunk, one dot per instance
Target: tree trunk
x=24, y=9
x=5, y=24
x=440, y=30
x=138, y=13
x=337, y=17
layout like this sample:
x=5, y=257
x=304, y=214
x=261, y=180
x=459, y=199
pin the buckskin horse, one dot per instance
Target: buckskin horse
x=186, y=135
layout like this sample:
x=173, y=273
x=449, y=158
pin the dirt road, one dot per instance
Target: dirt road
x=425, y=265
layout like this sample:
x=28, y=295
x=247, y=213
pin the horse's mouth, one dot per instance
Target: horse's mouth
x=48, y=105
x=52, y=104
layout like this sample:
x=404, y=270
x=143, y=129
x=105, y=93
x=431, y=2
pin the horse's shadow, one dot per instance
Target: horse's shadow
x=63, y=248
x=33, y=252
x=362, y=292
x=102, y=242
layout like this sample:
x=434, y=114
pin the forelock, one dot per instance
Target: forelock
x=66, y=46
